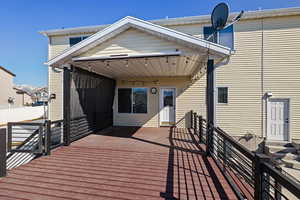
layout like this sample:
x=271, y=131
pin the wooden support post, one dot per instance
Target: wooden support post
x=48, y=137
x=210, y=103
x=258, y=176
x=200, y=129
x=67, y=105
x=3, y=152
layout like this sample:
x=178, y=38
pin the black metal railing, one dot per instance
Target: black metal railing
x=24, y=141
x=251, y=175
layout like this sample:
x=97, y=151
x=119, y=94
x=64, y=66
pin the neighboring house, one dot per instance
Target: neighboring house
x=23, y=97
x=159, y=67
x=40, y=95
x=6, y=88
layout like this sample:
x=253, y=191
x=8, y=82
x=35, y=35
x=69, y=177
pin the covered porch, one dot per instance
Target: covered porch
x=122, y=163
x=156, y=75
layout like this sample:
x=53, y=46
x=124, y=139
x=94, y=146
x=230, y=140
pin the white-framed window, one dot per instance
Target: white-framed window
x=75, y=40
x=223, y=95
x=133, y=100
x=224, y=37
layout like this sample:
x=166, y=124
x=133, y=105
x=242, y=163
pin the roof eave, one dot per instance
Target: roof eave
x=137, y=23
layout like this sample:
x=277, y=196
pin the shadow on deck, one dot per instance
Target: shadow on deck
x=122, y=163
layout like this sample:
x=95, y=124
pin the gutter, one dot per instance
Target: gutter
x=181, y=21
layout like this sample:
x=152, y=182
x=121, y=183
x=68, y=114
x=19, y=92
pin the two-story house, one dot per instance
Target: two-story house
x=158, y=68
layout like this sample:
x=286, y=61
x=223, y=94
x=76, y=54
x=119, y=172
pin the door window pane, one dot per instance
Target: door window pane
x=222, y=95
x=168, y=98
x=139, y=100
x=124, y=100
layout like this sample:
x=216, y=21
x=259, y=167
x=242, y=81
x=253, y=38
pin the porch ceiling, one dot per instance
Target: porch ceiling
x=145, y=66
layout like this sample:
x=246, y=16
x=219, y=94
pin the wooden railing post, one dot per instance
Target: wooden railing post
x=277, y=185
x=192, y=121
x=258, y=176
x=200, y=128
x=208, y=139
x=48, y=137
x=3, y=152
x=195, y=123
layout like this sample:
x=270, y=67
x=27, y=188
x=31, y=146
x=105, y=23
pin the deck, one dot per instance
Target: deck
x=121, y=163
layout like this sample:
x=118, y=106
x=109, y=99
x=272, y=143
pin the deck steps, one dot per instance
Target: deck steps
x=285, y=153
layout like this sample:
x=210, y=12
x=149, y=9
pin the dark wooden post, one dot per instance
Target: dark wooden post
x=258, y=176
x=3, y=152
x=192, y=121
x=195, y=123
x=67, y=105
x=200, y=128
x=210, y=102
x=9, y=136
x=224, y=154
x=277, y=185
x=48, y=137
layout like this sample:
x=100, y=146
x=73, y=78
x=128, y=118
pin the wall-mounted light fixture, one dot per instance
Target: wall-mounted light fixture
x=52, y=96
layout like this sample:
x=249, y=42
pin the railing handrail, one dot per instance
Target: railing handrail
x=25, y=123
x=57, y=121
x=259, y=164
x=246, y=152
x=282, y=179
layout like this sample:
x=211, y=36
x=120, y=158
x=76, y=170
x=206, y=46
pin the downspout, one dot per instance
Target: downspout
x=263, y=99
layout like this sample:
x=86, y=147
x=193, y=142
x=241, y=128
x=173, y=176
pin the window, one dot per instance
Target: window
x=222, y=95
x=124, y=100
x=75, y=40
x=223, y=37
x=132, y=100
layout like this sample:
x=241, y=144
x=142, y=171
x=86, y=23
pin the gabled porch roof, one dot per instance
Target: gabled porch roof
x=195, y=52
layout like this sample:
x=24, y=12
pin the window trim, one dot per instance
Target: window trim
x=217, y=98
x=130, y=113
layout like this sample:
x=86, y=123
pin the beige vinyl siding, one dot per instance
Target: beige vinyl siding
x=55, y=84
x=188, y=97
x=242, y=76
x=282, y=64
x=133, y=42
x=58, y=44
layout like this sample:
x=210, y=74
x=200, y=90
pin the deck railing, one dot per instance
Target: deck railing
x=22, y=142
x=250, y=174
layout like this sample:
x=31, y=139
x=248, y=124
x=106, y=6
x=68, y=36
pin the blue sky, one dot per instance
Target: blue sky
x=23, y=50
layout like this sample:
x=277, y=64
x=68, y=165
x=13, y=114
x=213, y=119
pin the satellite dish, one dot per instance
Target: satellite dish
x=219, y=16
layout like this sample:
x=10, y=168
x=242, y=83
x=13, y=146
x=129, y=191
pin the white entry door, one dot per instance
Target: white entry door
x=167, y=106
x=278, y=119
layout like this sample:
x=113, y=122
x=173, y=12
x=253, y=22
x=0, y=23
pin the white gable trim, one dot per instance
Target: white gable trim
x=128, y=22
